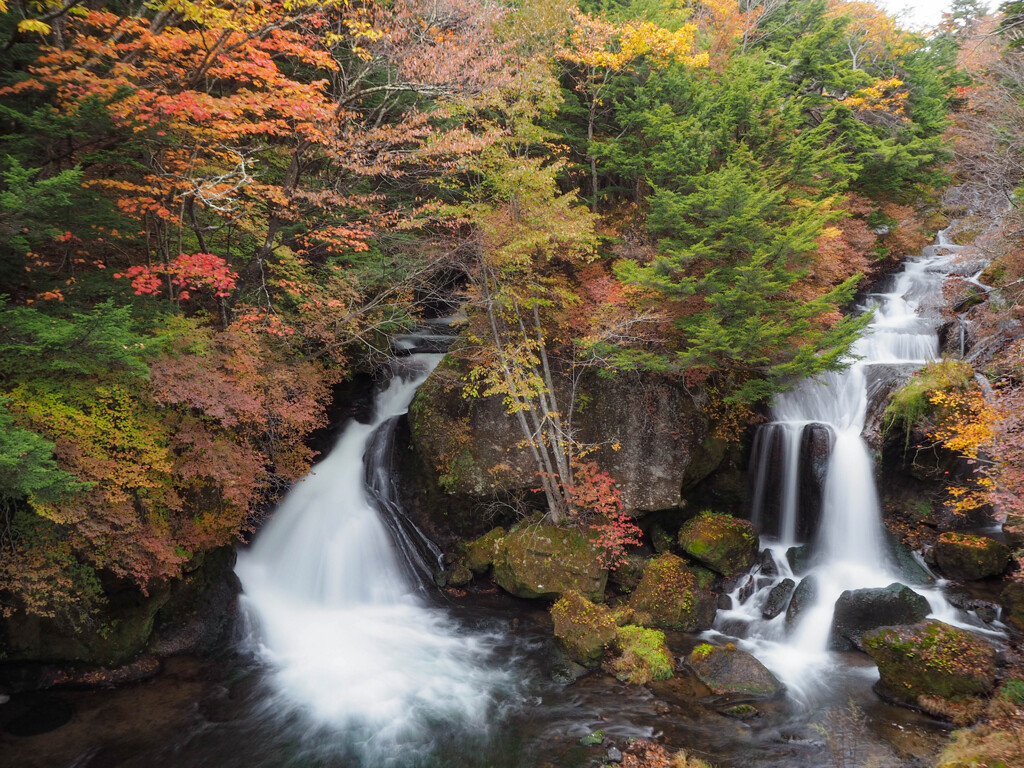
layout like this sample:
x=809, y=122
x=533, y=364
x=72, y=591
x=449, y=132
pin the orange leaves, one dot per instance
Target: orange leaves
x=196, y=271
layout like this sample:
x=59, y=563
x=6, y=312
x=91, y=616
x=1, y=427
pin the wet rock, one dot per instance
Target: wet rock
x=661, y=539
x=730, y=670
x=747, y=590
x=643, y=656
x=778, y=599
x=545, y=561
x=725, y=544
x=815, y=450
x=668, y=597
x=584, y=629
x=566, y=672
x=930, y=659
x=613, y=755
x=741, y=712
x=963, y=556
x=799, y=558
x=594, y=739
x=803, y=597
x=860, y=610
x=480, y=553
x=766, y=564
x=724, y=603
x=1012, y=600
x=459, y=575
x=910, y=570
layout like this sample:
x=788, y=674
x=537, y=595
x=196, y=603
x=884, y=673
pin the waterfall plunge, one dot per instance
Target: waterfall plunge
x=351, y=644
x=850, y=551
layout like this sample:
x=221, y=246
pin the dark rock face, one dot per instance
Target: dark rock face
x=910, y=571
x=860, y=610
x=778, y=598
x=803, y=596
x=725, y=544
x=815, y=450
x=930, y=659
x=668, y=596
x=545, y=561
x=188, y=615
x=962, y=556
x=469, y=449
x=1012, y=600
x=800, y=558
x=729, y=670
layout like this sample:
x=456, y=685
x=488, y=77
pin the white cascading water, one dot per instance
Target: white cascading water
x=850, y=551
x=349, y=640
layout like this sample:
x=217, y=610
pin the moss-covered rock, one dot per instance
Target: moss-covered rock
x=725, y=544
x=930, y=659
x=730, y=670
x=643, y=656
x=626, y=577
x=964, y=556
x=1012, y=599
x=860, y=610
x=546, y=561
x=584, y=629
x=668, y=596
x=479, y=554
x=459, y=575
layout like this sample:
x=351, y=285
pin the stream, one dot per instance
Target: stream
x=348, y=656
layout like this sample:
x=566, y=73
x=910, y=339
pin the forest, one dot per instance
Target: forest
x=219, y=216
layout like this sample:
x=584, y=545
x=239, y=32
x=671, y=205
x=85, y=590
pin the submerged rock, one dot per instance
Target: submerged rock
x=778, y=599
x=859, y=610
x=584, y=629
x=668, y=596
x=725, y=544
x=962, y=556
x=643, y=656
x=730, y=670
x=930, y=659
x=546, y=561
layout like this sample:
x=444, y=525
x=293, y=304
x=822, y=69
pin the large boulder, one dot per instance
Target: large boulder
x=643, y=656
x=778, y=599
x=930, y=659
x=728, y=670
x=668, y=596
x=815, y=453
x=725, y=544
x=859, y=610
x=968, y=557
x=479, y=553
x=1012, y=600
x=546, y=561
x=584, y=629
x=470, y=449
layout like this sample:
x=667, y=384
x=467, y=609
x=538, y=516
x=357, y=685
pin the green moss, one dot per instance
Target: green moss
x=584, y=629
x=1012, y=691
x=911, y=405
x=667, y=594
x=479, y=554
x=725, y=544
x=644, y=656
x=702, y=651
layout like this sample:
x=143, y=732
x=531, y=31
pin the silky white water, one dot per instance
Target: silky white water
x=850, y=551
x=349, y=640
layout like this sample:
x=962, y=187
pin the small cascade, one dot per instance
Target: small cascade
x=812, y=478
x=350, y=641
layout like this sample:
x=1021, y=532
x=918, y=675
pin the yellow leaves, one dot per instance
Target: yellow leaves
x=596, y=43
x=882, y=95
x=32, y=25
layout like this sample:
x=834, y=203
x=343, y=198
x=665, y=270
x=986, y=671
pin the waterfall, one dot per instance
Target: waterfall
x=849, y=548
x=349, y=640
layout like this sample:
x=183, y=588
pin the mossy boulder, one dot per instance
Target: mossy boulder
x=479, y=554
x=728, y=670
x=547, y=561
x=1012, y=600
x=860, y=610
x=930, y=659
x=668, y=596
x=583, y=628
x=643, y=656
x=725, y=544
x=963, y=556
x=626, y=577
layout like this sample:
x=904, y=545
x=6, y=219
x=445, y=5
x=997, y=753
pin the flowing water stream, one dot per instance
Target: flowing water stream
x=822, y=420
